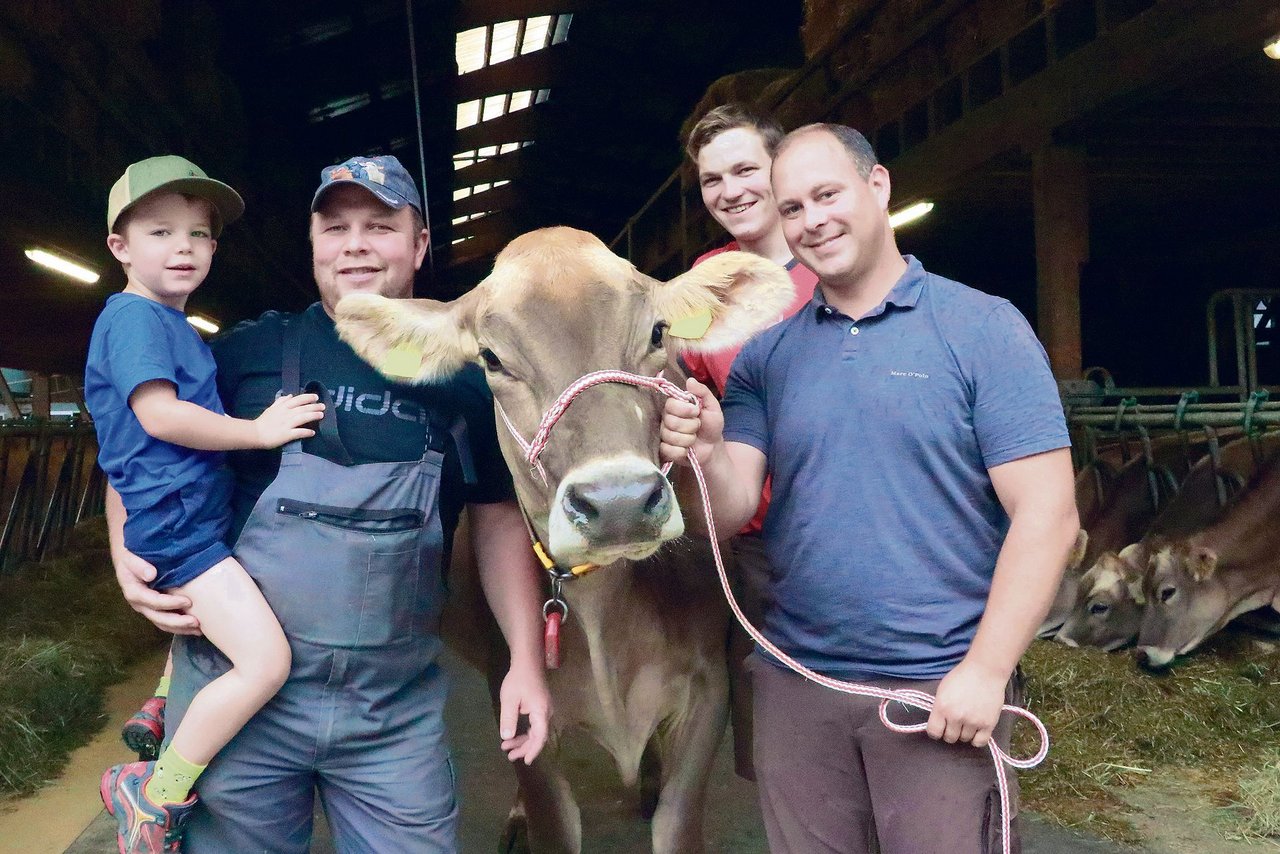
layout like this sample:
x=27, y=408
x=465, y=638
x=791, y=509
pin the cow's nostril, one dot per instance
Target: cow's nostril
x=658, y=498
x=579, y=509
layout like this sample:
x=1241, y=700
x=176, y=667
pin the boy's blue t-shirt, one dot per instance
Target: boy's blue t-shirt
x=135, y=340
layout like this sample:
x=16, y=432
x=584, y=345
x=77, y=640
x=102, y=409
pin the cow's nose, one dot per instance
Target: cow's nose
x=1152, y=660
x=619, y=510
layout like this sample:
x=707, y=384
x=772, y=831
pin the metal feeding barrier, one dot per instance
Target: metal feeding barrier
x=49, y=481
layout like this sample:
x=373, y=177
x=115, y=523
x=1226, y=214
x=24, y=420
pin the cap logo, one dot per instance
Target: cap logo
x=341, y=173
x=373, y=172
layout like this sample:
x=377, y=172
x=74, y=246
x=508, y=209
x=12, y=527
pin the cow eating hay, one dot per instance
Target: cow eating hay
x=644, y=651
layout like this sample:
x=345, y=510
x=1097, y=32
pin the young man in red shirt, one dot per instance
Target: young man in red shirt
x=730, y=148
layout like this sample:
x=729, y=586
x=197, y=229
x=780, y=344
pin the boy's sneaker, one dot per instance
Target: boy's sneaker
x=144, y=732
x=142, y=827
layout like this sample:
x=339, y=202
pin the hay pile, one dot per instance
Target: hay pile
x=65, y=635
x=1217, y=714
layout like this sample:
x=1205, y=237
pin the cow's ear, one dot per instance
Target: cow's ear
x=723, y=301
x=1076, y=556
x=1135, y=590
x=410, y=340
x=1202, y=562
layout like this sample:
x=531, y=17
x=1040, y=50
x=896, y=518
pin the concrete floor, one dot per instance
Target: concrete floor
x=609, y=813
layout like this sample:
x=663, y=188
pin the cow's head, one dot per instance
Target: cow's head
x=559, y=305
x=1189, y=597
x=1109, y=602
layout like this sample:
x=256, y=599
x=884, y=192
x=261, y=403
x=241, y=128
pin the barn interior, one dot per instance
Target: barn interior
x=1110, y=166
x=1105, y=164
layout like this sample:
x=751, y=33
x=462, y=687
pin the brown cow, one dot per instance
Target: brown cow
x=644, y=648
x=1131, y=499
x=1197, y=584
x=1109, y=604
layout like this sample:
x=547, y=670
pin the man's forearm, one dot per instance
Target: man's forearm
x=510, y=577
x=734, y=494
x=1028, y=572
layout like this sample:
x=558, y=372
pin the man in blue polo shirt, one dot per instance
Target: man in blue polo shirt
x=922, y=514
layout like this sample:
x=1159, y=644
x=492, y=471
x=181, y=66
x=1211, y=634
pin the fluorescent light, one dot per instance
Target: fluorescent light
x=203, y=324
x=909, y=214
x=1272, y=48
x=62, y=265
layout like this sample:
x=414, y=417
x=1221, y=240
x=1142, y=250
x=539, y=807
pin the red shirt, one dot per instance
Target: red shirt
x=712, y=369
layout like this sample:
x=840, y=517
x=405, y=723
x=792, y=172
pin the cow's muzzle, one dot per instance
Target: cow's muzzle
x=613, y=508
x=617, y=511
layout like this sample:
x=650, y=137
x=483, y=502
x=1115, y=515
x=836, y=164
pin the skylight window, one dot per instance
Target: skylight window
x=494, y=107
x=535, y=34
x=497, y=106
x=481, y=47
x=505, y=41
x=459, y=220
x=478, y=155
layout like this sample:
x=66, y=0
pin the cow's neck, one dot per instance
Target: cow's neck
x=1246, y=529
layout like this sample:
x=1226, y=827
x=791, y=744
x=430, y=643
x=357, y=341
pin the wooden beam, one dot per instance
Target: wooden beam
x=502, y=198
x=1168, y=43
x=41, y=404
x=503, y=167
x=475, y=13
x=541, y=69
x=513, y=127
x=6, y=397
x=1059, y=180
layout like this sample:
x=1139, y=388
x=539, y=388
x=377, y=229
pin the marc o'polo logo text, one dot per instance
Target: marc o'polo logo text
x=915, y=375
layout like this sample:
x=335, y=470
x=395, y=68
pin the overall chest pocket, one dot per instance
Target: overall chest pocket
x=393, y=521
x=351, y=576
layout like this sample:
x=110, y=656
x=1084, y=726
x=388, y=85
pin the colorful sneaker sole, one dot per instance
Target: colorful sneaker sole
x=142, y=740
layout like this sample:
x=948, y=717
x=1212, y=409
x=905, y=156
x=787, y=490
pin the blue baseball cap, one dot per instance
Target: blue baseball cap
x=384, y=176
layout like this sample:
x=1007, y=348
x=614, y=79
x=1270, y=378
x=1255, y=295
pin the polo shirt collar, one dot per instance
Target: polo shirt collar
x=904, y=294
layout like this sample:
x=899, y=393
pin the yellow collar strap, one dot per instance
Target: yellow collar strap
x=550, y=565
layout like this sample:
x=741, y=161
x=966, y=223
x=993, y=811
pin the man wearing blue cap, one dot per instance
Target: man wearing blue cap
x=347, y=536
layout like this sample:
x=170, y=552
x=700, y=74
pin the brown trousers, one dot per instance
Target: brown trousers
x=750, y=576
x=834, y=780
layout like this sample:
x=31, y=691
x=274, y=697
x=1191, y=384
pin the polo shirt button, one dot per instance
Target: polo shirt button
x=853, y=330
x=826, y=309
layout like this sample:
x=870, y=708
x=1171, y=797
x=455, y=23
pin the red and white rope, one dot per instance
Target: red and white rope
x=907, y=697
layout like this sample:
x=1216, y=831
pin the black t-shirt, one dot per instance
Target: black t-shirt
x=378, y=420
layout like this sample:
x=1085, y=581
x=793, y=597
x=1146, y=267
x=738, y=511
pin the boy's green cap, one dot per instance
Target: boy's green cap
x=177, y=175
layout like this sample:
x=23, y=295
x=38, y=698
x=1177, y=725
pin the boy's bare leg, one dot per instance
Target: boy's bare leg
x=236, y=618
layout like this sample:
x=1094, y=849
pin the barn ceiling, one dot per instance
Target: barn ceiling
x=567, y=112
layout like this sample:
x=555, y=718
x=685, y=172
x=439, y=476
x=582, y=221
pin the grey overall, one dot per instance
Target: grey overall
x=349, y=558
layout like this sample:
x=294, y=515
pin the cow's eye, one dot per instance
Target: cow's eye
x=491, y=360
x=1099, y=608
x=1167, y=593
x=658, y=333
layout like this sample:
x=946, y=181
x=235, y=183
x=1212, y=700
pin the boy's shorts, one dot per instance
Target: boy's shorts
x=183, y=534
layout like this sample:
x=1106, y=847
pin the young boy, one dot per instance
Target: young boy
x=150, y=386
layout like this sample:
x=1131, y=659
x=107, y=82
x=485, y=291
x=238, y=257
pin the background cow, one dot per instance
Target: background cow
x=644, y=648
x=1109, y=603
x=1114, y=512
x=1197, y=584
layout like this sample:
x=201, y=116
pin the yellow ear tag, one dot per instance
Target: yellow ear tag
x=693, y=326
x=404, y=360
